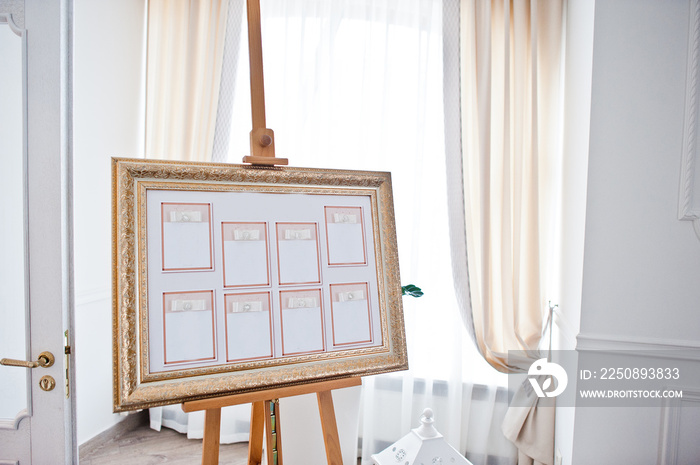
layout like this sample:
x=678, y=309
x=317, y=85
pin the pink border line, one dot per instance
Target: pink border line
x=162, y=240
x=213, y=329
x=318, y=254
x=267, y=255
x=364, y=242
x=269, y=316
x=369, y=316
x=323, y=325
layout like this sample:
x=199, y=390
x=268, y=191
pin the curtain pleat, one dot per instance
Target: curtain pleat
x=510, y=159
x=228, y=84
x=185, y=53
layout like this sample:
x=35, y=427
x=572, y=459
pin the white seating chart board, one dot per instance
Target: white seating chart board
x=234, y=278
x=291, y=275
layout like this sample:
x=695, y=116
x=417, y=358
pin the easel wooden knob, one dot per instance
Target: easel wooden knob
x=265, y=420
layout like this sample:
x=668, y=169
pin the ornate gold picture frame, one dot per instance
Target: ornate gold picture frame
x=233, y=278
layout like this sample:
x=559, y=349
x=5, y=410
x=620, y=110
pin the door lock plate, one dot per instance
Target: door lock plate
x=47, y=383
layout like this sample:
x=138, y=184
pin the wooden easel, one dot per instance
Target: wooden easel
x=265, y=417
x=265, y=420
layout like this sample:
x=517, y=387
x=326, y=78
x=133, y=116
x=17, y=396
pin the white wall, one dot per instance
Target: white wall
x=108, y=121
x=639, y=258
x=577, y=105
x=641, y=264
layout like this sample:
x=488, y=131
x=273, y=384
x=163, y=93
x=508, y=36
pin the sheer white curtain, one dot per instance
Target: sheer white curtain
x=358, y=84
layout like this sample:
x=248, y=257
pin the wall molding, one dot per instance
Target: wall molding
x=669, y=434
x=676, y=349
x=689, y=192
x=14, y=423
x=12, y=14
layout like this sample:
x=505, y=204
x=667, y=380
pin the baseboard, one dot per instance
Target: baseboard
x=130, y=423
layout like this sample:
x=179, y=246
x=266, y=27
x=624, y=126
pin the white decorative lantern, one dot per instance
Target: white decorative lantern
x=422, y=446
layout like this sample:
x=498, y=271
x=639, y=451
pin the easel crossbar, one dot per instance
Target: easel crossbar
x=275, y=393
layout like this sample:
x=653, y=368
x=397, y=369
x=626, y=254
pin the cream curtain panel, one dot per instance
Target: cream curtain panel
x=511, y=117
x=185, y=53
x=186, y=42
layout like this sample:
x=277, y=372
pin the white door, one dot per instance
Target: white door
x=36, y=418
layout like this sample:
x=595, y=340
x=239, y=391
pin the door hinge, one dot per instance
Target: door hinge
x=67, y=352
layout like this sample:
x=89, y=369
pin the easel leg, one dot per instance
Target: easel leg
x=210, y=444
x=329, y=427
x=265, y=417
x=257, y=424
x=273, y=432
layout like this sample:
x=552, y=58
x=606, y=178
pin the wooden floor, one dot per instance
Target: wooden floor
x=144, y=446
x=133, y=442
